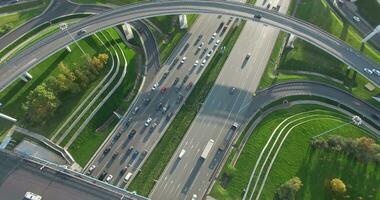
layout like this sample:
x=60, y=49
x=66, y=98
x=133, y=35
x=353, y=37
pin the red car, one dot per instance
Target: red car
x=163, y=89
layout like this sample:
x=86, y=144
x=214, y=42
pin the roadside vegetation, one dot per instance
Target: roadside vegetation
x=15, y=15
x=144, y=181
x=101, y=125
x=307, y=62
x=16, y=95
x=298, y=157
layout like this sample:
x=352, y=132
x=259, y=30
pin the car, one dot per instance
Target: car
x=154, y=125
x=169, y=115
x=258, y=16
x=154, y=87
x=232, y=90
x=213, y=36
x=129, y=150
x=109, y=178
x=132, y=134
x=128, y=122
x=176, y=81
x=114, y=156
x=209, y=53
x=147, y=122
x=117, y=136
x=179, y=98
x=123, y=170
x=134, y=155
x=376, y=116
x=196, y=63
x=165, y=108
x=183, y=59
x=189, y=85
x=81, y=32
x=194, y=197
x=376, y=71
x=185, y=78
x=163, y=90
x=203, y=62
x=183, y=151
x=201, y=45
x=217, y=42
x=165, y=75
x=247, y=56
x=370, y=72
x=32, y=196
x=102, y=175
x=127, y=177
x=159, y=106
x=356, y=18
x=106, y=150
x=91, y=169
x=135, y=110
x=147, y=100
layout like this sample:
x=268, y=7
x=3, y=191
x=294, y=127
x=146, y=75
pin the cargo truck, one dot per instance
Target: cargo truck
x=207, y=149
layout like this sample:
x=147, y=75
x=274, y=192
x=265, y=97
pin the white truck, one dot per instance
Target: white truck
x=32, y=196
x=207, y=149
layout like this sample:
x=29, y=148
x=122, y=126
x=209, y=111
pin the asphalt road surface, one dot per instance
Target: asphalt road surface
x=348, y=11
x=192, y=175
x=41, y=50
x=146, y=137
x=18, y=176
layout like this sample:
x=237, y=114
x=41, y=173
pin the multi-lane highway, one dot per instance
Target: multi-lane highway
x=40, y=51
x=127, y=151
x=191, y=175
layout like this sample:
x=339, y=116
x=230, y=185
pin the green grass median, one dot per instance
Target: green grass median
x=160, y=156
x=296, y=158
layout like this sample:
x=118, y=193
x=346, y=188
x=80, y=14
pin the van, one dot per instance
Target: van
x=181, y=153
x=127, y=177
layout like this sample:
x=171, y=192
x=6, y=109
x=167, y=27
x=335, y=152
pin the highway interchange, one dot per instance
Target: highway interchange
x=339, y=49
x=218, y=112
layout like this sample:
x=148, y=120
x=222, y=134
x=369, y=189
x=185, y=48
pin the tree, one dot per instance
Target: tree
x=103, y=57
x=288, y=190
x=66, y=71
x=41, y=103
x=337, y=186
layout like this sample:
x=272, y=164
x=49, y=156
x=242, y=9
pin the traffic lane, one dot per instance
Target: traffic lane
x=173, y=80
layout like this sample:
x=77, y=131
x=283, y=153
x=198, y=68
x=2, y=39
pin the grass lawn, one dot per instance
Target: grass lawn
x=369, y=9
x=14, y=95
x=17, y=16
x=295, y=158
x=89, y=140
x=160, y=156
x=308, y=58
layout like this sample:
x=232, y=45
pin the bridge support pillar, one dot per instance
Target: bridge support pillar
x=127, y=31
x=369, y=36
x=183, y=21
x=290, y=43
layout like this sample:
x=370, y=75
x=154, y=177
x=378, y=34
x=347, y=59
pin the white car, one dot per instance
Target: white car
x=209, y=53
x=217, y=42
x=203, y=63
x=91, y=168
x=148, y=121
x=109, y=178
x=201, y=45
x=196, y=63
x=183, y=60
x=32, y=196
x=376, y=71
x=370, y=72
x=155, y=86
x=213, y=36
x=356, y=18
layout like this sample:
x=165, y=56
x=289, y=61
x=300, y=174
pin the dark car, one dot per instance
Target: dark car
x=258, y=16
x=117, y=136
x=123, y=170
x=102, y=175
x=115, y=155
x=81, y=32
x=147, y=100
x=189, y=86
x=108, y=149
x=170, y=114
x=176, y=81
x=129, y=150
x=159, y=107
x=179, y=98
x=132, y=134
x=376, y=116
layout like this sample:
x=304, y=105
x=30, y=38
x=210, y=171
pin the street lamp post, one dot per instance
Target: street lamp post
x=356, y=120
x=63, y=27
